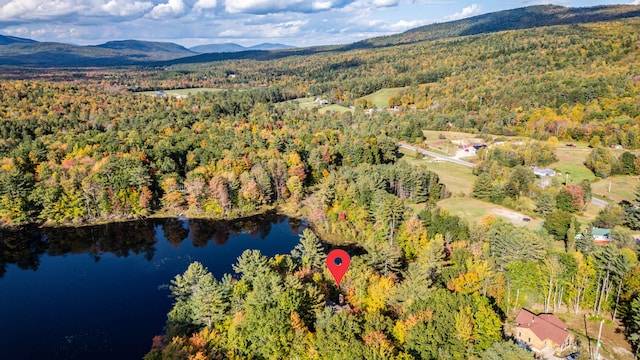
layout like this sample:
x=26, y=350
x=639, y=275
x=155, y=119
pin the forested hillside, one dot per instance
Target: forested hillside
x=86, y=145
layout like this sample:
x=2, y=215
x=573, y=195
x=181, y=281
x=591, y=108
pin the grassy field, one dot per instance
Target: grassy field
x=182, y=92
x=449, y=135
x=457, y=178
x=622, y=188
x=381, y=97
x=473, y=210
x=588, y=215
x=571, y=160
x=308, y=103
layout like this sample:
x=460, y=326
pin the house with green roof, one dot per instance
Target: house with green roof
x=601, y=235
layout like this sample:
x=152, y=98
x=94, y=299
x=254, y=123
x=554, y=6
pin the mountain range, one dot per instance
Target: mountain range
x=232, y=47
x=26, y=52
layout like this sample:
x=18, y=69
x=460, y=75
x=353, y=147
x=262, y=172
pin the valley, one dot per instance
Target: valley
x=472, y=169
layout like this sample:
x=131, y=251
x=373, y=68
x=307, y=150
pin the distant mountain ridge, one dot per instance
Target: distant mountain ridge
x=7, y=40
x=114, y=53
x=512, y=19
x=25, y=52
x=146, y=46
x=232, y=47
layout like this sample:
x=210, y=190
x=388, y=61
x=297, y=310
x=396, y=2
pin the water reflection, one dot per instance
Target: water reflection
x=24, y=247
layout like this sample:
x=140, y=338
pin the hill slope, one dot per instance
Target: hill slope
x=7, y=40
x=150, y=49
x=513, y=19
x=217, y=48
x=115, y=53
x=131, y=52
x=232, y=47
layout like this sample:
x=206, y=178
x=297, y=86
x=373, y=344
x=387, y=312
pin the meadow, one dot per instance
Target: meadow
x=381, y=97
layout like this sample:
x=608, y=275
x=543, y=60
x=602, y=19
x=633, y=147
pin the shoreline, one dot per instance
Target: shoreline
x=283, y=209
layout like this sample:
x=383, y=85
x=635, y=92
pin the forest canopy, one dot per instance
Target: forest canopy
x=87, y=146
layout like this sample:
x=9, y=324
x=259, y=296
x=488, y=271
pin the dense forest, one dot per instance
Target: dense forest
x=85, y=145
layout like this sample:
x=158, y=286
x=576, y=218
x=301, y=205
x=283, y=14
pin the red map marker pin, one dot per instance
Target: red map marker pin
x=338, y=263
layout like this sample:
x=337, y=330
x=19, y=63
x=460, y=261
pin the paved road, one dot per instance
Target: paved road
x=594, y=201
x=436, y=155
x=599, y=202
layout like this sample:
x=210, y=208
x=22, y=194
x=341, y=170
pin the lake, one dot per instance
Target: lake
x=101, y=292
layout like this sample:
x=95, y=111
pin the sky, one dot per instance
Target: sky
x=246, y=22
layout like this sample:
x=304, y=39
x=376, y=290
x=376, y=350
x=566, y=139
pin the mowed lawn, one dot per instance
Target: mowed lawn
x=473, y=210
x=571, y=160
x=457, y=178
x=623, y=187
x=449, y=135
x=308, y=103
x=381, y=97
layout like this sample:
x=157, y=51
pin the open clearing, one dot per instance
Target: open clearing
x=613, y=345
x=571, y=160
x=381, y=97
x=449, y=135
x=441, y=140
x=308, y=103
x=457, y=178
x=473, y=210
x=623, y=187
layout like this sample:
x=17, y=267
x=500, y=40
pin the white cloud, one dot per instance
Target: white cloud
x=267, y=30
x=385, y=3
x=468, y=11
x=231, y=33
x=636, y=2
x=322, y=5
x=172, y=8
x=36, y=9
x=206, y=4
x=403, y=25
x=260, y=6
x=276, y=6
x=124, y=8
x=295, y=22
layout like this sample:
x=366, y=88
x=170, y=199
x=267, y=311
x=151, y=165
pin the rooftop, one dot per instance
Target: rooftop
x=545, y=326
x=601, y=232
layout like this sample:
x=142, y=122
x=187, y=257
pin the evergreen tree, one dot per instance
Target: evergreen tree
x=482, y=187
x=633, y=325
x=252, y=265
x=633, y=211
x=584, y=242
x=309, y=251
x=545, y=203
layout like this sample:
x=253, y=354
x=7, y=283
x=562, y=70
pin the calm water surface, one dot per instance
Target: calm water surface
x=101, y=292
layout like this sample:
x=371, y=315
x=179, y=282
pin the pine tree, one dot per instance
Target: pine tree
x=482, y=187
x=633, y=325
x=309, y=251
x=633, y=212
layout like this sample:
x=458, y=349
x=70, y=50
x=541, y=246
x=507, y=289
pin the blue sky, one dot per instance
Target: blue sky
x=247, y=22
